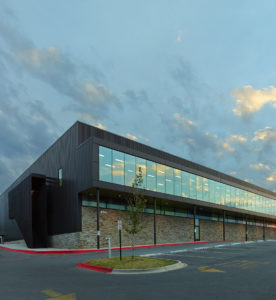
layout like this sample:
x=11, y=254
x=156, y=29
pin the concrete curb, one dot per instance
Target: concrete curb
x=84, y=265
x=72, y=251
x=177, y=266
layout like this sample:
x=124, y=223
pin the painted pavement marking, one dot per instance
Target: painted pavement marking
x=58, y=296
x=238, y=264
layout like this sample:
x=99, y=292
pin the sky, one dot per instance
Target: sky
x=196, y=79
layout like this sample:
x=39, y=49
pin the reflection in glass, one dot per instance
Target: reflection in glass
x=199, y=188
x=177, y=182
x=217, y=192
x=118, y=167
x=169, y=180
x=161, y=178
x=192, y=185
x=105, y=164
x=227, y=195
x=141, y=164
x=206, y=192
x=222, y=193
x=130, y=169
x=185, y=190
x=212, y=191
x=151, y=176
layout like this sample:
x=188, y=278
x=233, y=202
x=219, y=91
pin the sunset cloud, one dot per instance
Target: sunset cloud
x=131, y=137
x=183, y=122
x=259, y=166
x=272, y=177
x=266, y=134
x=249, y=100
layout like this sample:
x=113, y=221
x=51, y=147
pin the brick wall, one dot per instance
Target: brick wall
x=211, y=230
x=254, y=233
x=234, y=232
x=174, y=229
x=169, y=229
x=270, y=233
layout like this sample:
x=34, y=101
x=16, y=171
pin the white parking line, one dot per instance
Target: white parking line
x=177, y=251
x=234, y=244
x=208, y=247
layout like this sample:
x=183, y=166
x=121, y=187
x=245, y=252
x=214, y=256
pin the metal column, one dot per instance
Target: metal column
x=246, y=229
x=264, y=230
x=224, y=225
x=98, y=217
x=154, y=223
x=194, y=223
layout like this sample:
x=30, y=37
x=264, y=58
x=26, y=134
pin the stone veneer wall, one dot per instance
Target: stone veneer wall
x=234, y=232
x=270, y=233
x=211, y=230
x=255, y=233
x=169, y=229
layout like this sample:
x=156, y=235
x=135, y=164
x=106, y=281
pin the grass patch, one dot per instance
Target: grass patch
x=128, y=263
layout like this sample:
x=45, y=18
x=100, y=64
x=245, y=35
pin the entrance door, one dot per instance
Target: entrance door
x=197, y=230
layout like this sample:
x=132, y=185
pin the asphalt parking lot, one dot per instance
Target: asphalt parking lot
x=232, y=271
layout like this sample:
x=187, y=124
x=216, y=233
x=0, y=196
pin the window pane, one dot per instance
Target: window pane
x=212, y=191
x=242, y=199
x=169, y=180
x=222, y=193
x=192, y=184
x=233, y=196
x=185, y=190
x=227, y=195
x=141, y=163
x=151, y=176
x=160, y=178
x=217, y=192
x=206, y=192
x=118, y=167
x=237, y=198
x=130, y=169
x=199, y=188
x=177, y=182
x=105, y=164
x=245, y=203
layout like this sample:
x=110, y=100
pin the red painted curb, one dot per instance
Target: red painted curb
x=105, y=249
x=94, y=268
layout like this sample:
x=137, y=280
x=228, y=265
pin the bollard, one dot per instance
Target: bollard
x=109, y=246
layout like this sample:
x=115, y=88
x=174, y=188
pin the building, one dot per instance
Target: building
x=74, y=194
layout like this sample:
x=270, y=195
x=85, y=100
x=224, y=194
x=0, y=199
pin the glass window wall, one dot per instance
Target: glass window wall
x=120, y=168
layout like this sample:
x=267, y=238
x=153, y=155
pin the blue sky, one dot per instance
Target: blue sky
x=193, y=78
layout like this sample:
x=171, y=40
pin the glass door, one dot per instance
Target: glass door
x=197, y=229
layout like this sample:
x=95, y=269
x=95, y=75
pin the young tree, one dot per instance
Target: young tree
x=136, y=205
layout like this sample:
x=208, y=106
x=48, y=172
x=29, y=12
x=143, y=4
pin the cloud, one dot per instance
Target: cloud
x=84, y=86
x=272, y=177
x=101, y=126
x=259, y=166
x=183, y=123
x=132, y=137
x=26, y=132
x=227, y=147
x=249, y=100
x=267, y=134
x=237, y=139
